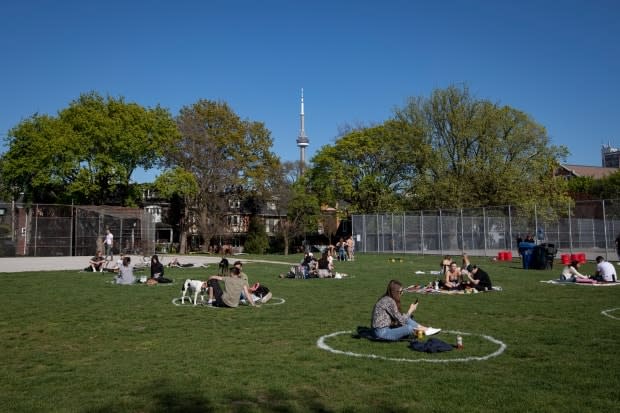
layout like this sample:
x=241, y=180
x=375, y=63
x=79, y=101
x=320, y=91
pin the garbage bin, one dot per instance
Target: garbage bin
x=526, y=249
x=543, y=256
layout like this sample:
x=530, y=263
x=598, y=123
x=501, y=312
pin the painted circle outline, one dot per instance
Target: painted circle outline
x=176, y=302
x=609, y=310
x=502, y=347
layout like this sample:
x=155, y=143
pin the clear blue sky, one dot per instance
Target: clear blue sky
x=559, y=61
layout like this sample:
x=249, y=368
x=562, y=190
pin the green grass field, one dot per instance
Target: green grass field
x=73, y=342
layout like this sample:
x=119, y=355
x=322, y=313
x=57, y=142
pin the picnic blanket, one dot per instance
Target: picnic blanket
x=423, y=289
x=591, y=283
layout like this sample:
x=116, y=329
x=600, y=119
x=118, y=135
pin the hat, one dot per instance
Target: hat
x=310, y=254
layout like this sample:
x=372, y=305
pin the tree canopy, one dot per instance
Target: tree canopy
x=228, y=157
x=88, y=153
x=446, y=151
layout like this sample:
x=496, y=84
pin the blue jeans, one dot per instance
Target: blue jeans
x=395, y=334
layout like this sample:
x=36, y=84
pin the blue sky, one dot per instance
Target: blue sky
x=558, y=61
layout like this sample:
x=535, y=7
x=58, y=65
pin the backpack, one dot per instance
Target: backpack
x=432, y=345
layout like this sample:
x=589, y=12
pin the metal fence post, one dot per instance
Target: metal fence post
x=605, y=229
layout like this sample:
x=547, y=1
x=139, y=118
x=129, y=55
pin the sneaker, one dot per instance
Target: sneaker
x=432, y=331
x=210, y=303
x=266, y=298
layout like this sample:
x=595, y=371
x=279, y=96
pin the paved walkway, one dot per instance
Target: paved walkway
x=22, y=264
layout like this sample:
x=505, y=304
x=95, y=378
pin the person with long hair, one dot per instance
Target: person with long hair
x=388, y=321
x=157, y=271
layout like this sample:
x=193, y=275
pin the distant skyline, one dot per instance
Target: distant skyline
x=557, y=61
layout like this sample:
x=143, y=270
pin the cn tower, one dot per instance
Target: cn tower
x=302, y=139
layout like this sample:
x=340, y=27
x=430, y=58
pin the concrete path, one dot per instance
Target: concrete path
x=22, y=264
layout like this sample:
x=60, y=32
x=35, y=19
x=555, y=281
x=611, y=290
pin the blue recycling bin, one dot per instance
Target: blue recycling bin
x=527, y=249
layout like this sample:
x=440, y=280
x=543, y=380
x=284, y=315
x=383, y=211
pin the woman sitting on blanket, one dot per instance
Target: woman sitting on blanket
x=452, y=278
x=571, y=272
x=388, y=323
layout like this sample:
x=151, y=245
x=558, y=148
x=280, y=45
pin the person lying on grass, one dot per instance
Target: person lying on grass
x=389, y=323
x=234, y=285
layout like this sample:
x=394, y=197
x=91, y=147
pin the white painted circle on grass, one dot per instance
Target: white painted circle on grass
x=610, y=310
x=177, y=301
x=321, y=343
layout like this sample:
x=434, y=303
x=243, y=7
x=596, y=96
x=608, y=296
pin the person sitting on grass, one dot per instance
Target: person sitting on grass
x=452, y=278
x=97, y=262
x=157, y=271
x=571, y=272
x=234, y=286
x=605, y=271
x=125, y=273
x=389, y=323
x=476, y=277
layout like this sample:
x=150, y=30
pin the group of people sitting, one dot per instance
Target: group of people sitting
x=466, y=276
x=237, y=289
x=125, y=271
x=605, y=272
x=310, y=267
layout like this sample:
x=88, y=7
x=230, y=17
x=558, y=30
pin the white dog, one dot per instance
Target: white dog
x=193, y=286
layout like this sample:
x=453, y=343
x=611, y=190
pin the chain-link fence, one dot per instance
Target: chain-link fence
x=590, y=226
x=69, y=230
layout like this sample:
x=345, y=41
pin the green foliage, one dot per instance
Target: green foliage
x=590, y=188
x=257, y=241
x=303, y=209
x=369, y=169
x=88, y=153
x=229, y=158
x=481, y=153
x=447, y=151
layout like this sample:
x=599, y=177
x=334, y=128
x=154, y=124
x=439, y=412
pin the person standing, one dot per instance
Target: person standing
x=618, y=246
x=108, y=243
x=350, y=248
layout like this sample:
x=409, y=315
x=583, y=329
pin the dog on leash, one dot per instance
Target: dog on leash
x=224, y=266
x=193, y=287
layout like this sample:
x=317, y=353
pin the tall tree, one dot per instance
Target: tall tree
x=480, y=154
x=88, y=153
x=370, y=169
x=179, y=182
x=228, y=157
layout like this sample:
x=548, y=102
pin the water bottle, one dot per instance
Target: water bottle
x=436, y=285
x=459, y=342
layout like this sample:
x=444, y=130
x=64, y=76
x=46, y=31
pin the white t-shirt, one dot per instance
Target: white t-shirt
x=606, y=270
x=108, y=238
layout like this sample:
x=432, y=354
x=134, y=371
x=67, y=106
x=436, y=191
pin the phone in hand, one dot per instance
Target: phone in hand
x=416, y=301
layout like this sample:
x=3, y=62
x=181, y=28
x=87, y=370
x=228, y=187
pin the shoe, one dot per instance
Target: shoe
x=210, y=303
x=266, y=298
x=94, y=270
x=430, y=331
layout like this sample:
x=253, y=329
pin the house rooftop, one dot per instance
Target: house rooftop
x=596, y=172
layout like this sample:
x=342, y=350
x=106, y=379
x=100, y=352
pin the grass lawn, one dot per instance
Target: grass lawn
x=73, y=342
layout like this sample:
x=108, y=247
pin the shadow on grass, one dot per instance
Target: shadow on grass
x=163, y=397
